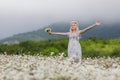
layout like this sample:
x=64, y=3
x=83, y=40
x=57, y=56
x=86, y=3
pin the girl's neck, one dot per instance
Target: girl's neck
x=73, y=31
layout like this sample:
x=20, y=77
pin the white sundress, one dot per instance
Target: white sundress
x=74, y=47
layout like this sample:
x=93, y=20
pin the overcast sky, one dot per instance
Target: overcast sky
x=17, y=16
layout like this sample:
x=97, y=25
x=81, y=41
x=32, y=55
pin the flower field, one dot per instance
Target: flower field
x=17, y=67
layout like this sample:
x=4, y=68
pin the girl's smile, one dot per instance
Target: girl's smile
x=73, y=26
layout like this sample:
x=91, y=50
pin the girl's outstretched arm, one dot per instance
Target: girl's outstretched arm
x=90, y=27
x=58, y=33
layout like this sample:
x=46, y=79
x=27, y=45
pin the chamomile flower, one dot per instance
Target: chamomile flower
x=47, y=29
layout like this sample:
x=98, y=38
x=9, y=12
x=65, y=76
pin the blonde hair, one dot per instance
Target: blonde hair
x=74, y=22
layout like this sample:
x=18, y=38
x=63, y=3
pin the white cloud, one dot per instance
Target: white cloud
x=25, y=15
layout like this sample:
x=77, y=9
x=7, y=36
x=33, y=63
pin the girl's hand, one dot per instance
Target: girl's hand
x=97, y=24
x=50, y=32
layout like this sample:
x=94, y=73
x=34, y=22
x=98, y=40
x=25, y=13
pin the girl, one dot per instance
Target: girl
x=74, y=47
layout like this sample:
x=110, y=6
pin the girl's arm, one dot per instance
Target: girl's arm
x=58, y=33
x=90, y=27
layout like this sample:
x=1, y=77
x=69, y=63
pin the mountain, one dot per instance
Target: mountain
x=106, y=31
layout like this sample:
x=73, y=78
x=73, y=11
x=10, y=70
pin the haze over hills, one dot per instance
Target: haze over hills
x=106, y=31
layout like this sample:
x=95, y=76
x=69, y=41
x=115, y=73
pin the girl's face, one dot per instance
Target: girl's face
x=73, y=26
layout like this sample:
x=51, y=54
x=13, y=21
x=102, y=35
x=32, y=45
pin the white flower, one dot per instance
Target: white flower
x=47, y=29
x=26, y=67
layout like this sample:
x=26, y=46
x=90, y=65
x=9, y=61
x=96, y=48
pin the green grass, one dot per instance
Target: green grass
x=90, y=48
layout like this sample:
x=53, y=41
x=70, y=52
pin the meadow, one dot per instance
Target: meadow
x=91, y=47
x=27, y=67
x=47, y=60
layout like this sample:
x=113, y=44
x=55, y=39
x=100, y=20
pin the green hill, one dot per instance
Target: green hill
x=106, y=31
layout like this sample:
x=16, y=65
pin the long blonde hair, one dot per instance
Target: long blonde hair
x=74, y=22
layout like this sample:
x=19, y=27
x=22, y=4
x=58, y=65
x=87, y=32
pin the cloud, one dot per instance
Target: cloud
x=25, y=15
